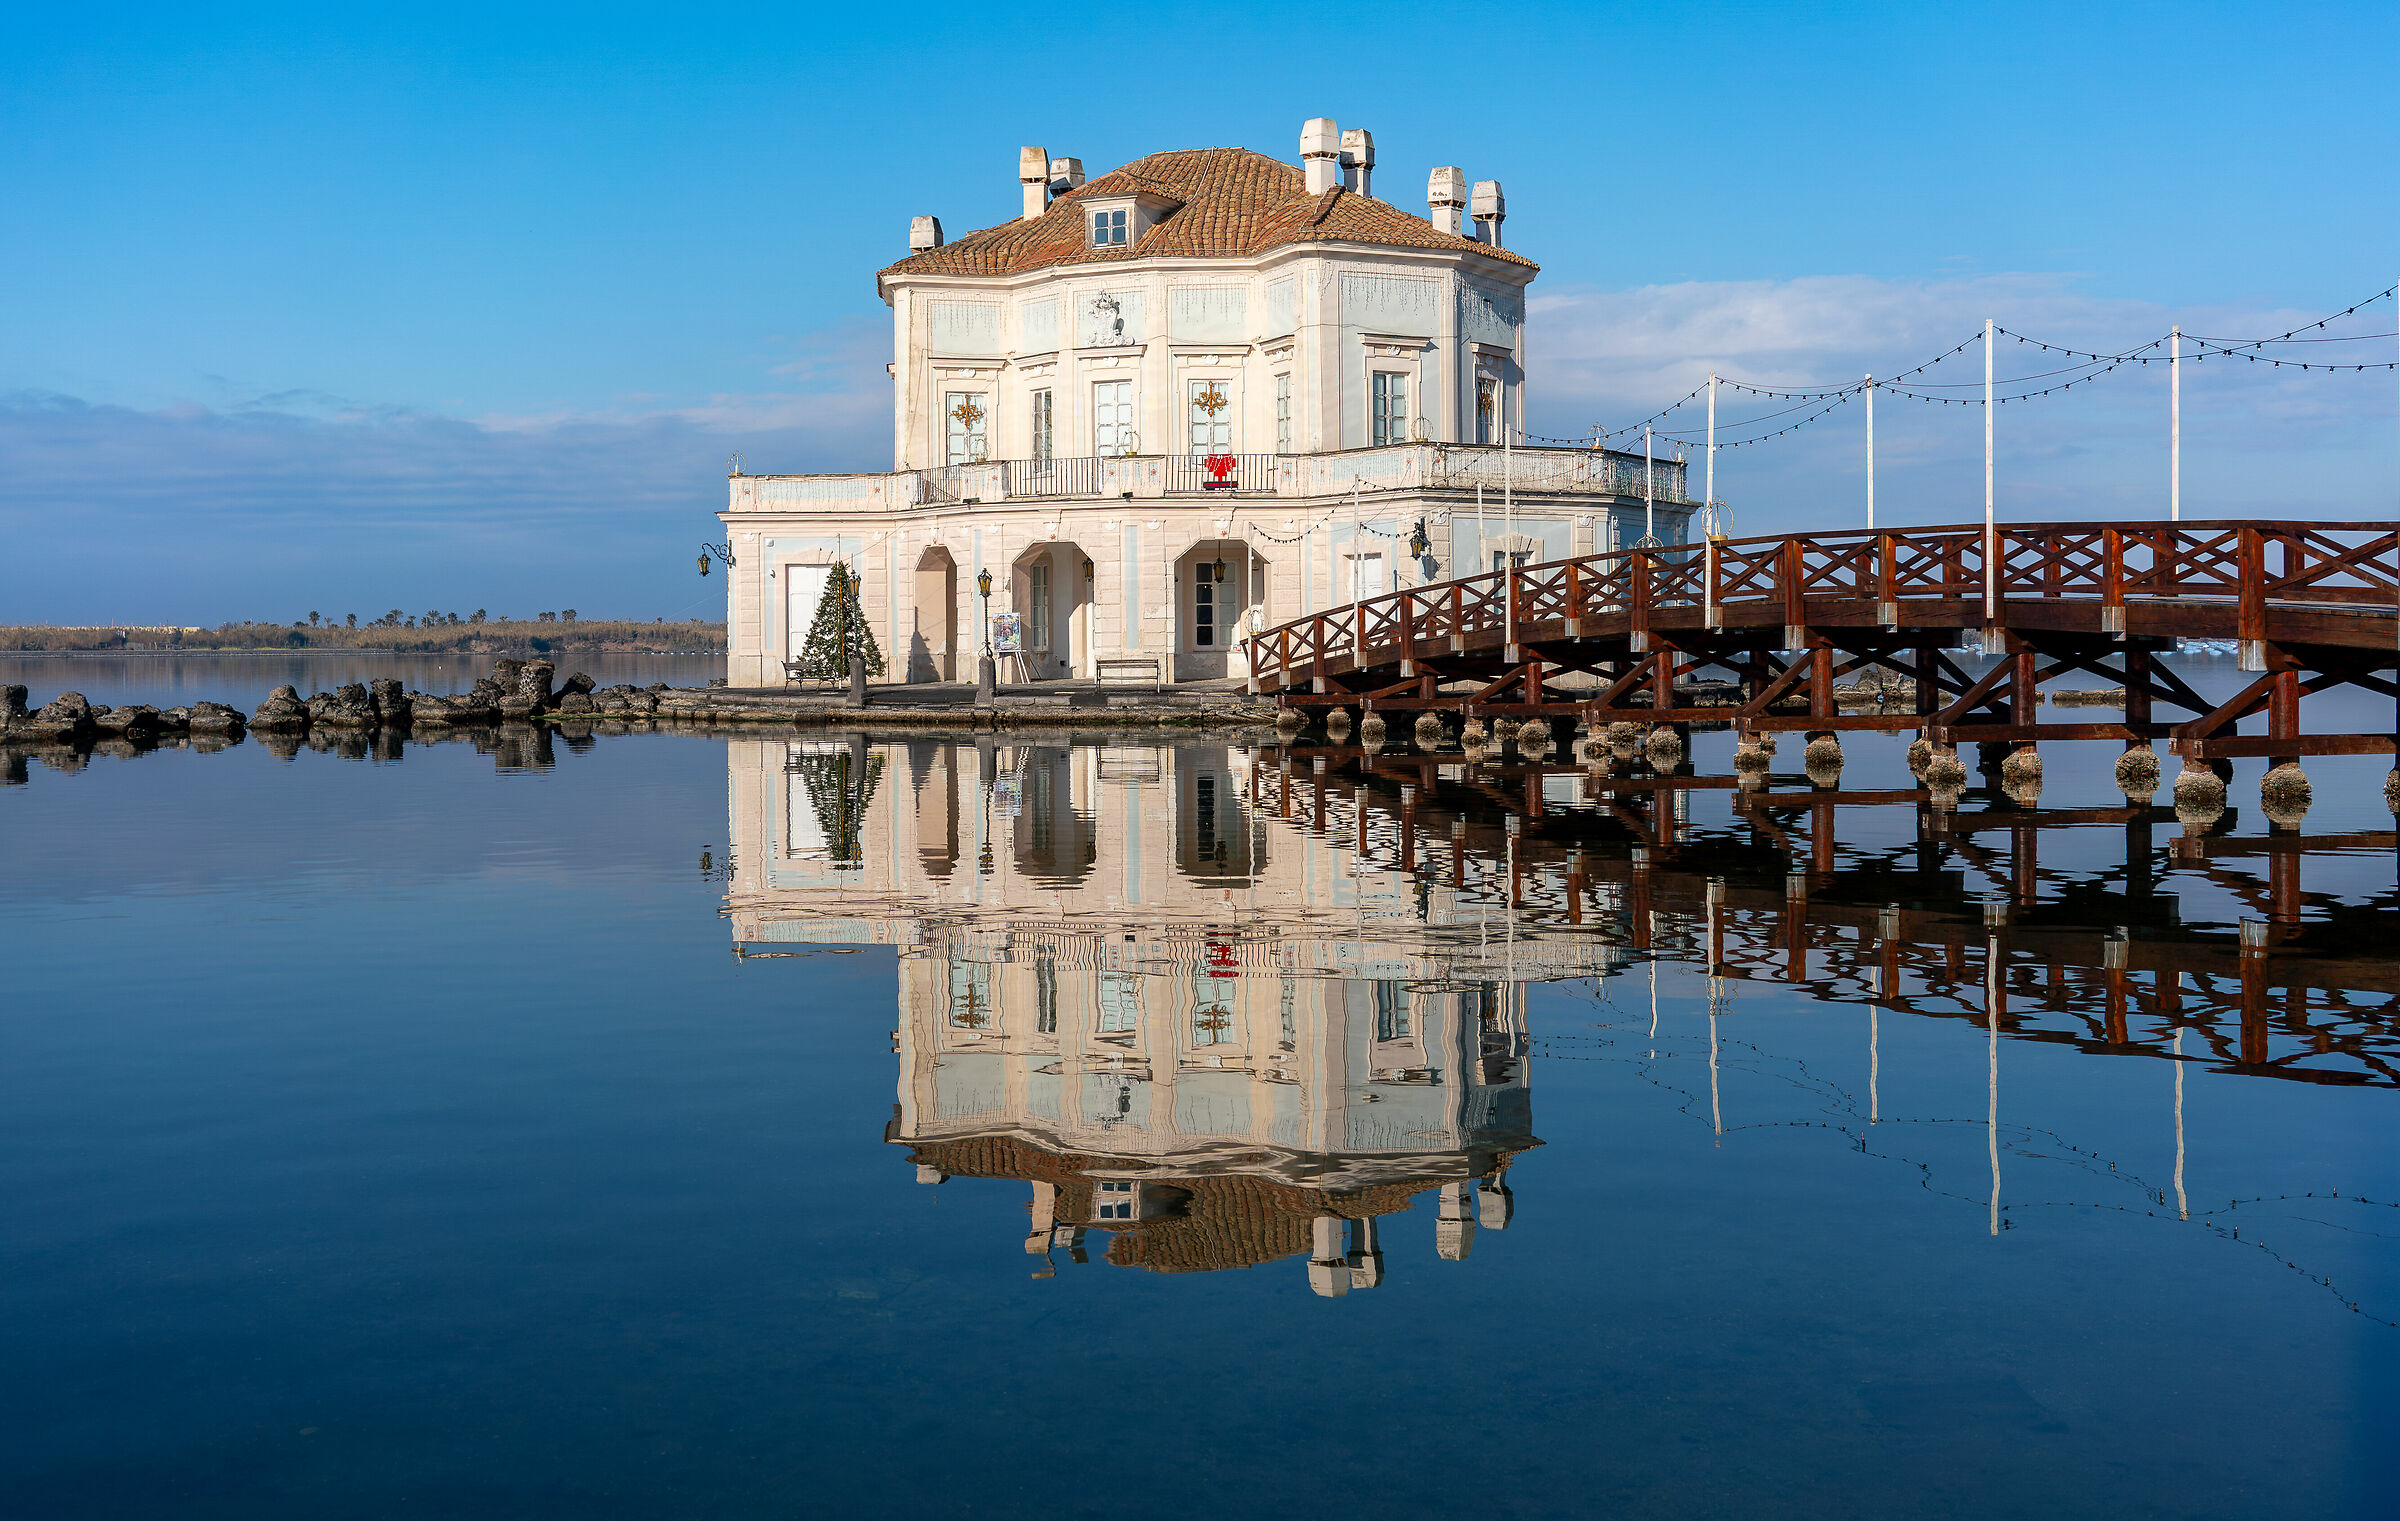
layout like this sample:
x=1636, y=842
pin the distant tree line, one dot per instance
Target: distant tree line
x=429, y=631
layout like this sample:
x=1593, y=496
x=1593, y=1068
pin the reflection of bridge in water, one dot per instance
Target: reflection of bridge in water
x=1221, y=1007
x=1965, y=922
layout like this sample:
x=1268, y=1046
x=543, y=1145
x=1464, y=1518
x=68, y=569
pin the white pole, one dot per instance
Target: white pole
x=1508, y=489
x=1874, y=1066
x=1991, y=569
x=1649, y=491
x=1870, y=454
x=2175, y=424
x=1708, y=492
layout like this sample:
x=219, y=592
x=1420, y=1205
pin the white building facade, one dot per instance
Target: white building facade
x=1202, y=391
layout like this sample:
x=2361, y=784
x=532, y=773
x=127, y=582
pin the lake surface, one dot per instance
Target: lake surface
x=659, y=1124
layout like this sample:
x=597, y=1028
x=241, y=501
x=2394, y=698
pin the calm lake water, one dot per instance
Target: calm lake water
x=660, y=1125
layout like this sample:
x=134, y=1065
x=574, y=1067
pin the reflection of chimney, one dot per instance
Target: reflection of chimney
x=1065, y=174
x=1446, y=199
x=1045, y=1219
x=1033, y=173
x=1320, y=154
x=924, y=233
x=1328, y=1269
x=1495, y=1204
x=1366, y=1258
x=1358, y=159
x=1491, y=209
x=1454, y=1224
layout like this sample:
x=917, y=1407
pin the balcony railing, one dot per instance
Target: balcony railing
x=1230, y=473
x=1452, y=467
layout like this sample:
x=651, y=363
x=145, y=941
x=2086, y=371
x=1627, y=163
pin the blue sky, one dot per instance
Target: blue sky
x=305, y=308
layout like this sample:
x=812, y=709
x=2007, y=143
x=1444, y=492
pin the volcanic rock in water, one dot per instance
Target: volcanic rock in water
x=1429, y=728
x=1337, y=722
x=1822, y=753
x=1288, y=722
x=1946, y=773
x=1472, y=732
x=575, y=702
x=2391, y=789
x=575, y=683
x=348, y=708
x=2023, y=764
x=1371, y=729
x=1503, y=730
x=1750, y=759
x=2025, y=787
x=12, y=706
x=1945, y=796
x=1664, y=747
x=215, y=718
x=282, y=713
x=2284, y=793
x=131, y=719
x=1920, y=755
x=1624, y=738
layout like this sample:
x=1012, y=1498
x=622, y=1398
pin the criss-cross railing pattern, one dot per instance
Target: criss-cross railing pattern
x=2334, y=565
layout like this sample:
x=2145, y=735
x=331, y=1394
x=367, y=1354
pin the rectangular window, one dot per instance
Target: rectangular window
x=1037, y=615
x=1212, y=417
x=1045, y=437
x=1510, y=559
x=1204, y=814
x=964, y=416
x=1114, y=1199
x=1120, y=1003
x=1108, y=228
x=1045, y=994
x=1487, y=407
x=1391, y=1011
x=1212, y=1012
x=1283, y=413
x=1391, y=407
x=1204, y=609
x=1112, y=418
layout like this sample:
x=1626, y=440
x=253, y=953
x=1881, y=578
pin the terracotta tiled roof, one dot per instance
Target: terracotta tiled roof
x=1227, y=1221
x=1232, y=203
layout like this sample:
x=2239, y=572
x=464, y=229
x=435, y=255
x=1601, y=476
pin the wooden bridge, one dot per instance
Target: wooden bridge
x=1607, y=636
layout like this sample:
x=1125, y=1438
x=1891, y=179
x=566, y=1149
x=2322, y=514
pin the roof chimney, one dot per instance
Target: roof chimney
x=1033, y=172
x=1491, y=209
x=1320, y=154
x=924, y=233
x=1358, y=160
x=1065, y=174
x=1446, y=199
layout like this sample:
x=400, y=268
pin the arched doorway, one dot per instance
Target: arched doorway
x=1050, y=586
x=1216, y=581
x=933, y=618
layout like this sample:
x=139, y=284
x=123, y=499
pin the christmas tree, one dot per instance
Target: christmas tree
x=839, y=624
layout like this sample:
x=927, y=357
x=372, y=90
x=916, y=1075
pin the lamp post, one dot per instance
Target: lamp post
x=985, y=672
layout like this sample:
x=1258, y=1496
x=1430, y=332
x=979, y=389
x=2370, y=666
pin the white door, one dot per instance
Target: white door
x=1367, y=577
x=803, y=589
x=1112, y=418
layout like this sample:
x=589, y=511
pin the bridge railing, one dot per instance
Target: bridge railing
x=2254, y=563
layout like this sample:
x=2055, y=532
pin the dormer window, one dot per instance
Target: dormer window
x=1108, y=228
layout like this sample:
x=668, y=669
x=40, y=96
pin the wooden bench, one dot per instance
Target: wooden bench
x=1129, y=670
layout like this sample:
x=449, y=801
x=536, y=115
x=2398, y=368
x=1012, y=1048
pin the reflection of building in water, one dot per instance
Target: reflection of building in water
x=1113, y=990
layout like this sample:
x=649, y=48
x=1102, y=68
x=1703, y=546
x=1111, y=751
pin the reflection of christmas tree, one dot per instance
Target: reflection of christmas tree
x=840, y=786
x=839, y=623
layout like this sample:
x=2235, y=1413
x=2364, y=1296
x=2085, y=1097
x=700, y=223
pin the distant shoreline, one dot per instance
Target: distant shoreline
x=516, y=653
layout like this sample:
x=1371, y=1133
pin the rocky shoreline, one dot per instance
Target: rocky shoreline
x=518, y=692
